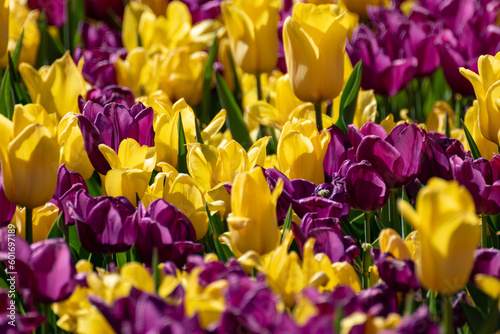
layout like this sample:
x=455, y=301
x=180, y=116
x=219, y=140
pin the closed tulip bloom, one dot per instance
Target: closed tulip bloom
x=253, y=224
x=301, y=151
x=252, y=28
x=314, y=42
x=448, y=231
x=30, y=157
x=486, y=86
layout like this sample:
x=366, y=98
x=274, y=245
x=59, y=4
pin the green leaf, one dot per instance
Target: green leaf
x=492, y=319
x=493, y=233
x=481, y=299
x=214, y=231
x=154, y=267
x=182, y=149
x=18, y=91
x=55, y=231
x=207, y=100
x=50, y=49
x=199, y=138
x=472, y=144
x=94, y=185
x=288, y=223
x=474, y=317
x=17, y=50
x=234, y=120
x=121, y=259
x=6, y=98
x=349, y=97
x=238, y=95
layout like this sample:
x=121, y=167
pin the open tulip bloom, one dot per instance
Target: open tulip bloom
x=256, y=166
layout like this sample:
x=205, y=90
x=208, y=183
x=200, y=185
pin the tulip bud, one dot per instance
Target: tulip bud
x=314, y=42
x=252, y=28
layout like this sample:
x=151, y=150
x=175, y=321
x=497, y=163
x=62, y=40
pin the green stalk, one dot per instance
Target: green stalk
x=447, y=316
x=259, y=87
x=29, y=225
x=367, y=227
x=484, y=231
x=319, y=116
x=366, y=252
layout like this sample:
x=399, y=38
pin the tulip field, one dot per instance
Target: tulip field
x=249, y=166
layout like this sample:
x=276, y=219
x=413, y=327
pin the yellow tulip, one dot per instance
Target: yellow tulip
x=130, y=170
x=128, y=71
x=301, y=150
x=30, y=157
x=391, y=242
x=70, y=140
x=486, y=86
x=252, y=28
x=131, y=16
x=56, y=87
x=448, y=232
x=4, y=26
x=487, y=148
x=208, y=302
x=43, y=218
x=314, y=42
x=490, y=285
x=18, y=19
x=252, y=223
x=359, y=6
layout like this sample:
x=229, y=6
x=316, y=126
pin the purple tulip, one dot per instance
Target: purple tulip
x=23, y=323
x=337, y=151
x=487, y=262
x=104, y=224
x=7, y=209
x=384, y=73
x=329, y=238
x=477, y=177
x=109, y=94
x=99, y=65
x=142, y=313
x=419, y=322
x=434, y=162
x=44, y=271
x=327, y=199
x=164, y=227
x=251, y=307
x=399, y=275
x=55, y=10
x=68, y=184
x=285, y=200
x=367, y=190
x=110, y=125
x=395, y=158
x=100, y=36
x=215, y=270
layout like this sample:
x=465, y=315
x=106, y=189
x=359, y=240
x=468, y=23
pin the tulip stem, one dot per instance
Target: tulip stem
x=319, y=116
x=484, y=231
x=367, y=228
x=447, y=316
x=29, y=225
x=259, y=87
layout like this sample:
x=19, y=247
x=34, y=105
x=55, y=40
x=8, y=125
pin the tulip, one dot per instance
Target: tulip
x=337, y=151
x=130, y=170
x=396, y=157
x=486, y=147
x=109, y=94
x=98, y=65
x=448, y=232
x=4, y=26
x=45, y=271
x=252, y=29
x=19, y=19
x=71, y=143
x=253, y=224
x=367, y=190
x=100, y=10
x=104, y=223
x=314, y=41
x=55, y=10
x=301, y=151
x=35, y=168
x=56, y=88
x=128, y=71
x=163, y=227
x=99, y=36
x=44, y=218
x=421, y=318
x=25, y=322
x=101, y=125
x=68, y=184
x=487, y=262
x=360, y=7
